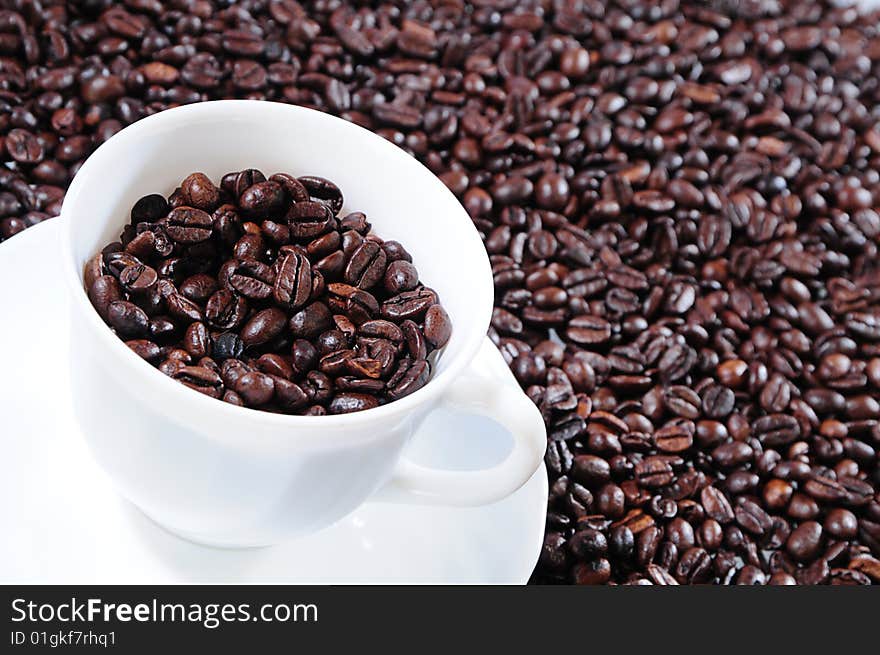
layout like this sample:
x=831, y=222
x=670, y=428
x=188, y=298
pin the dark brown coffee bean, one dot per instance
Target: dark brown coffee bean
x=752, y=518
x=293, y=280
x=262, y=199
x=345, y=403
x=250, y=278
x=408, y=304
x=197, y=341
x=127, y=319
x=308, y=220
x=323, y=190
x=776, y=430
x=187, y=225
x=805, y=541
x=104, y=291
x=149, y=209
x=199, y=192
x=400, y=276
x=410, y=376
x=588, y=330
x=255, y=388
x=225, y=311
x=654, y=473
x=201, y=379
x=310, y=321
x=438, y=326
x=716, y=505
x=263, y=327
x=366, y=267
x=718, y=401
x=673, y=438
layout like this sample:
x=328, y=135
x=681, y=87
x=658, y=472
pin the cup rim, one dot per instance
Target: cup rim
x=178, y=395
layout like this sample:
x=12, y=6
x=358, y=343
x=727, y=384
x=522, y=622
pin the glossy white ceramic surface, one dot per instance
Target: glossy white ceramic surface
x=231, y=476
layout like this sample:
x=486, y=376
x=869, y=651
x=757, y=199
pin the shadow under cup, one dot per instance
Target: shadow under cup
x=175, y=443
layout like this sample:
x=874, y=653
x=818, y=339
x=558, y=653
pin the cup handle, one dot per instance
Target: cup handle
x=488, y=388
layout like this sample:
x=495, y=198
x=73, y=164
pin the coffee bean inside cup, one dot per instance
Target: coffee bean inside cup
x=257, y=292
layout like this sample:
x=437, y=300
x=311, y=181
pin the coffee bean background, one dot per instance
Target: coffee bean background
x=680, y=203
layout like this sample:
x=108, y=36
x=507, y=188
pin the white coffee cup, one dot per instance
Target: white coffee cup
x=230, y=476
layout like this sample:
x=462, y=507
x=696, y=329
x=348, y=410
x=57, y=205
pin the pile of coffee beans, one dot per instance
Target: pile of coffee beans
x=680, y=201
x=257, y=293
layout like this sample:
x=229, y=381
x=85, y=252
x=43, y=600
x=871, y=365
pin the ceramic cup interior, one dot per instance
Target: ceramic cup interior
x=402, y=199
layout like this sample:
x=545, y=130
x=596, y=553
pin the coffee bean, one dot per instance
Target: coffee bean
x=293, y=280
x=841, y=523
x=228, y=345
x=310, y=321
x=752, y=518
x=263, y=327
x=409, y=376
x=438, y=326
x=718, y=401
x=127, y=319
x=345, y=403
x=263, y=199
x=805, y=541
x=187, y=225
x=400, y=276
x=654, y=473
x=104, y=291
x=199, y=192
x=588, y=330
x=673, y=438
x=366, y=266
x=149, y=209
x=255, y=388
x=408, y=304
x=323, y=190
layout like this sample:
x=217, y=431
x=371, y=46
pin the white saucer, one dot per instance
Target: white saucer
x=63, y=523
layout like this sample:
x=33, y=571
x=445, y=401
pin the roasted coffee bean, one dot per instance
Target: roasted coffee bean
x=324, y=190
x=752, y=518
x=225, y=310
x=438, y=326
x=588, y=330
x=716, y=505
x=654, y=473
x=127, y=319
x=293, y=280
x=248, y=277
x=400, y=276
x=311, y=321
x=228, y=345
x=805, y=542
x=188, y=225
x=261, y=200
x=149, y=209
x=255, y=388
x=366, y=266
x=216, y=290
x=408, y=304
x=263, y=327
x=104, y=291
x=674, y=438
x=308, y=220
x=410, y=376
x=198, y=191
